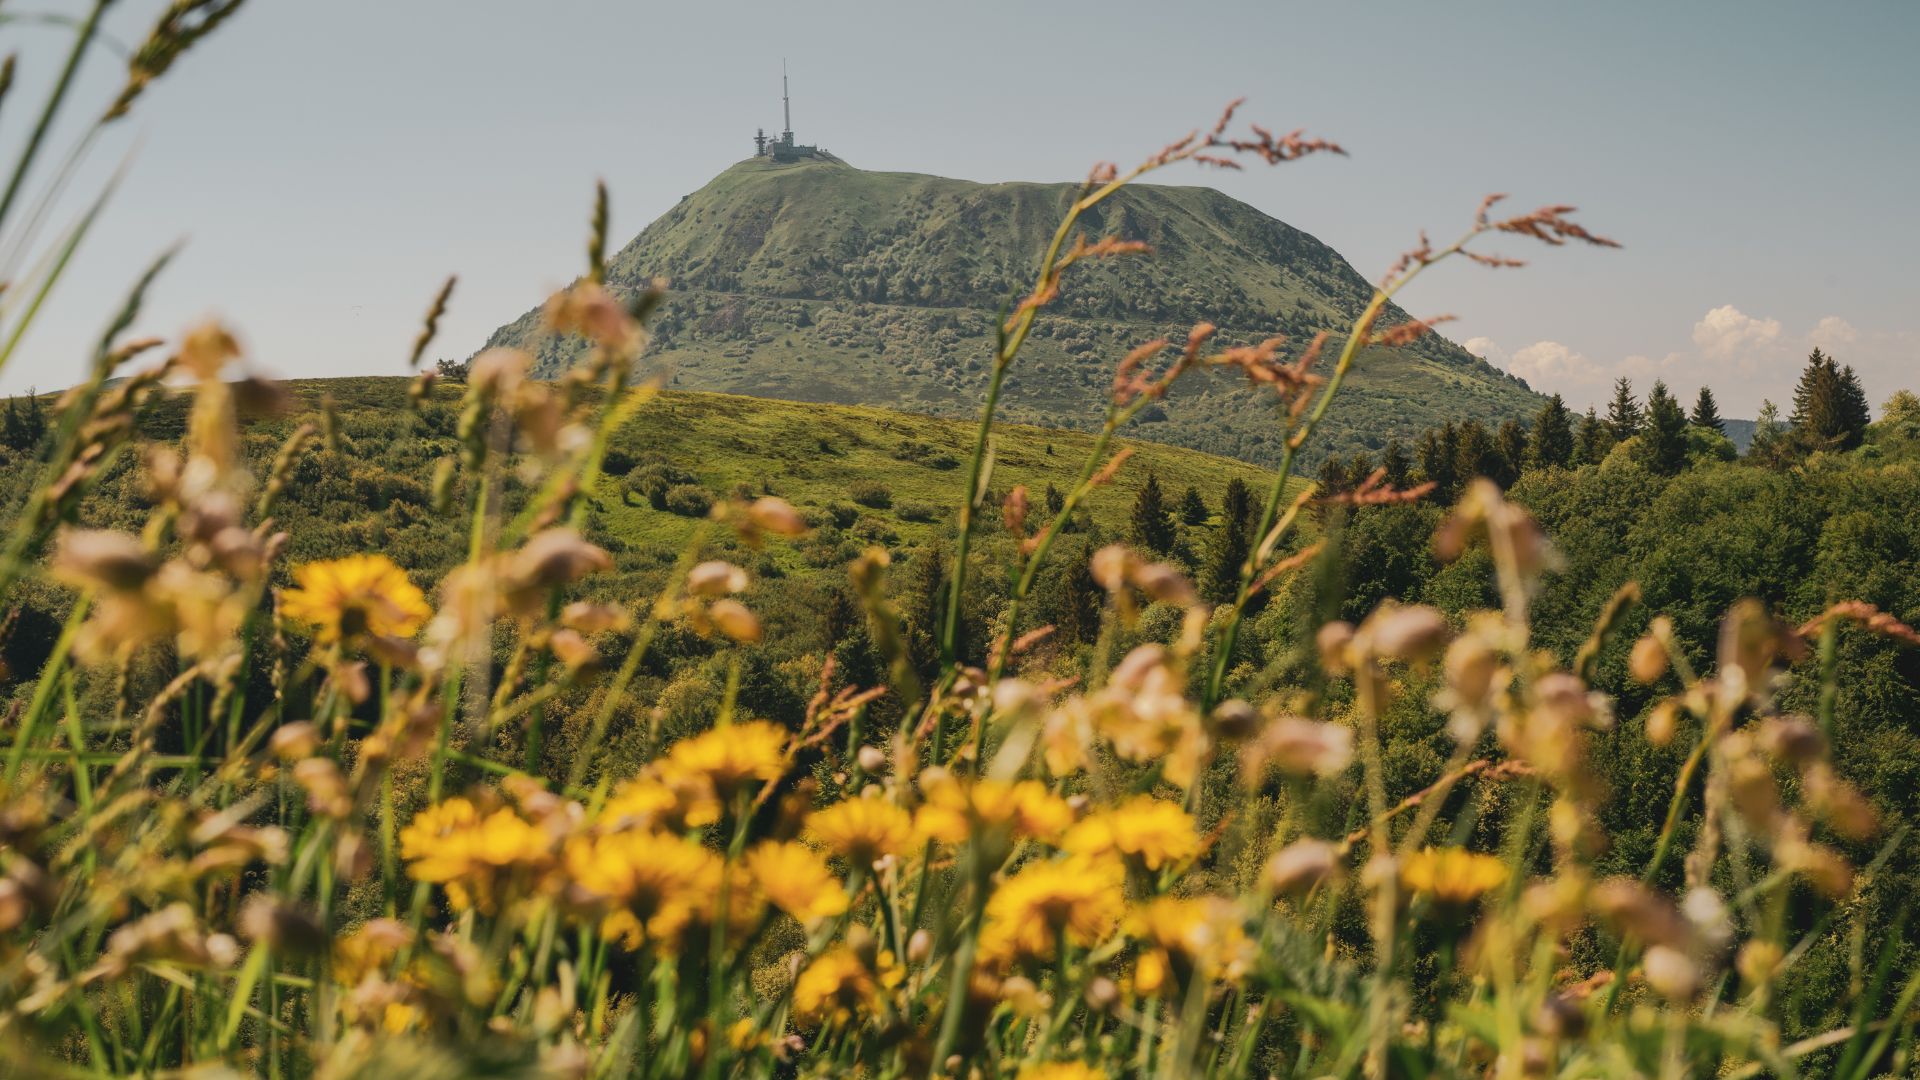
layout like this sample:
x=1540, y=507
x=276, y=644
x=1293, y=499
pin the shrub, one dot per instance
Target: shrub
x=870, y=493
x=687, y=500
x=917, y=511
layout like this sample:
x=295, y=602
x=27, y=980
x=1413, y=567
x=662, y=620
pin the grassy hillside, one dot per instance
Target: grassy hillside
x=821, y=282
x=374, y=491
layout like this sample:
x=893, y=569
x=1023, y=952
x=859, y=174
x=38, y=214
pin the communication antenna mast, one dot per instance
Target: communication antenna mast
x=786, y=104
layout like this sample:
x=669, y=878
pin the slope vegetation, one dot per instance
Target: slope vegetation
x=821, y=282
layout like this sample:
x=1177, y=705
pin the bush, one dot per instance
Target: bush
x=869, y=493
x=652, y=482
x=917, y=511
x=688, y=500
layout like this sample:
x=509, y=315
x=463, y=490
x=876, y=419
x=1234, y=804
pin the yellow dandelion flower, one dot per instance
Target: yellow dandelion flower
x=731, y=758
x=1184, y=938
x=473, y=854
x=1451, y=875
x=835, y=988
x=655, y=883
x=796, y=879
x=953, y=811
x=1061, y=1070
x=1151, y=831
x=656, y=800
x=360, y=594
x=1081, y=897
x=368, y=950
x=862, y=829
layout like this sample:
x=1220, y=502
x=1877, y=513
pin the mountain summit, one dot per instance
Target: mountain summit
x=811, y=280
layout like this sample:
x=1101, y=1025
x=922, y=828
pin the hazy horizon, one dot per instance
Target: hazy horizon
x=329, y=166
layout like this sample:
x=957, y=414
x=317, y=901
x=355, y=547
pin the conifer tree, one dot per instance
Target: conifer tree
x=1237, y=504
x=1510, y=446
x=1476, y=453
x=1593, y=441
x=1056, y=502
x=1439, y=450
x=1152, y=523
x=1706, y=412
x=1334, y=477
x=1623, y=413
x=1664, y=445
x=1227, y=554
x=1193, y=509
x=1829, y=406
x=1551, y=443
x=1854, y=413
x=1399, y=466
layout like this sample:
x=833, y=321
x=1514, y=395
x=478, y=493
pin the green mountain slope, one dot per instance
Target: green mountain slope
x=372, y=493
x=820, y=282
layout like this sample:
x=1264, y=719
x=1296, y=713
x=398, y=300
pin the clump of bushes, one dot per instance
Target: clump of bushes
x=687, y=500
x=870, y=493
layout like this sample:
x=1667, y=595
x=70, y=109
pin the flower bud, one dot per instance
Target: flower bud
x=1301, y=866
x=1648, y=661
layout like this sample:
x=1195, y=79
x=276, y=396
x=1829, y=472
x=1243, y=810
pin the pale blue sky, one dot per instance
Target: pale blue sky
x=329, y=163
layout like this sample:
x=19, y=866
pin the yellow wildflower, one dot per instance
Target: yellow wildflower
x=1186, y=938
x=656, y=883
x=360, y=594
x=862, y=829
x=796, y=880
x=1451, y=875
x=368, y=950
x=1061, y=1070
x=1081, y=897
x=455, y=845
x=954, y=811
x=655, y=800
x=1151, y=831
x=835, y=988
x=732, y=758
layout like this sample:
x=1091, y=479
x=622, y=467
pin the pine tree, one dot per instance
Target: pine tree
x=1854, y=413
x=1439, y=452
x=1056, y=502
x=1593, y=441
x=1706, y=412
x=1237, y=504
x=1476, y=453
x=1193, y=509
x=1551, y=444
x=1227, y=554
x=1623, y=413
x=1334, y=478
x=1510, y=446
x=1152, y=524
x=1829, y=406
x=1399, y=466
x=1664, y=446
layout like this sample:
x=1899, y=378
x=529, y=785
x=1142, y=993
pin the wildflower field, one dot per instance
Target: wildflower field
x=289, y=817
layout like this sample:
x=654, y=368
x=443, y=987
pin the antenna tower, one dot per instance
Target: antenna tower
x=786, y=105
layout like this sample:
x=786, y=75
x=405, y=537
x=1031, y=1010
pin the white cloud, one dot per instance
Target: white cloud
x=1743, y=357
x=1486, y=349
x=1549, y=363
x=1726, y=333
x=1833, y=334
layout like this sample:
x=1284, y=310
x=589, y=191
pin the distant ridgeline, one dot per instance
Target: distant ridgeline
x=794, y=275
